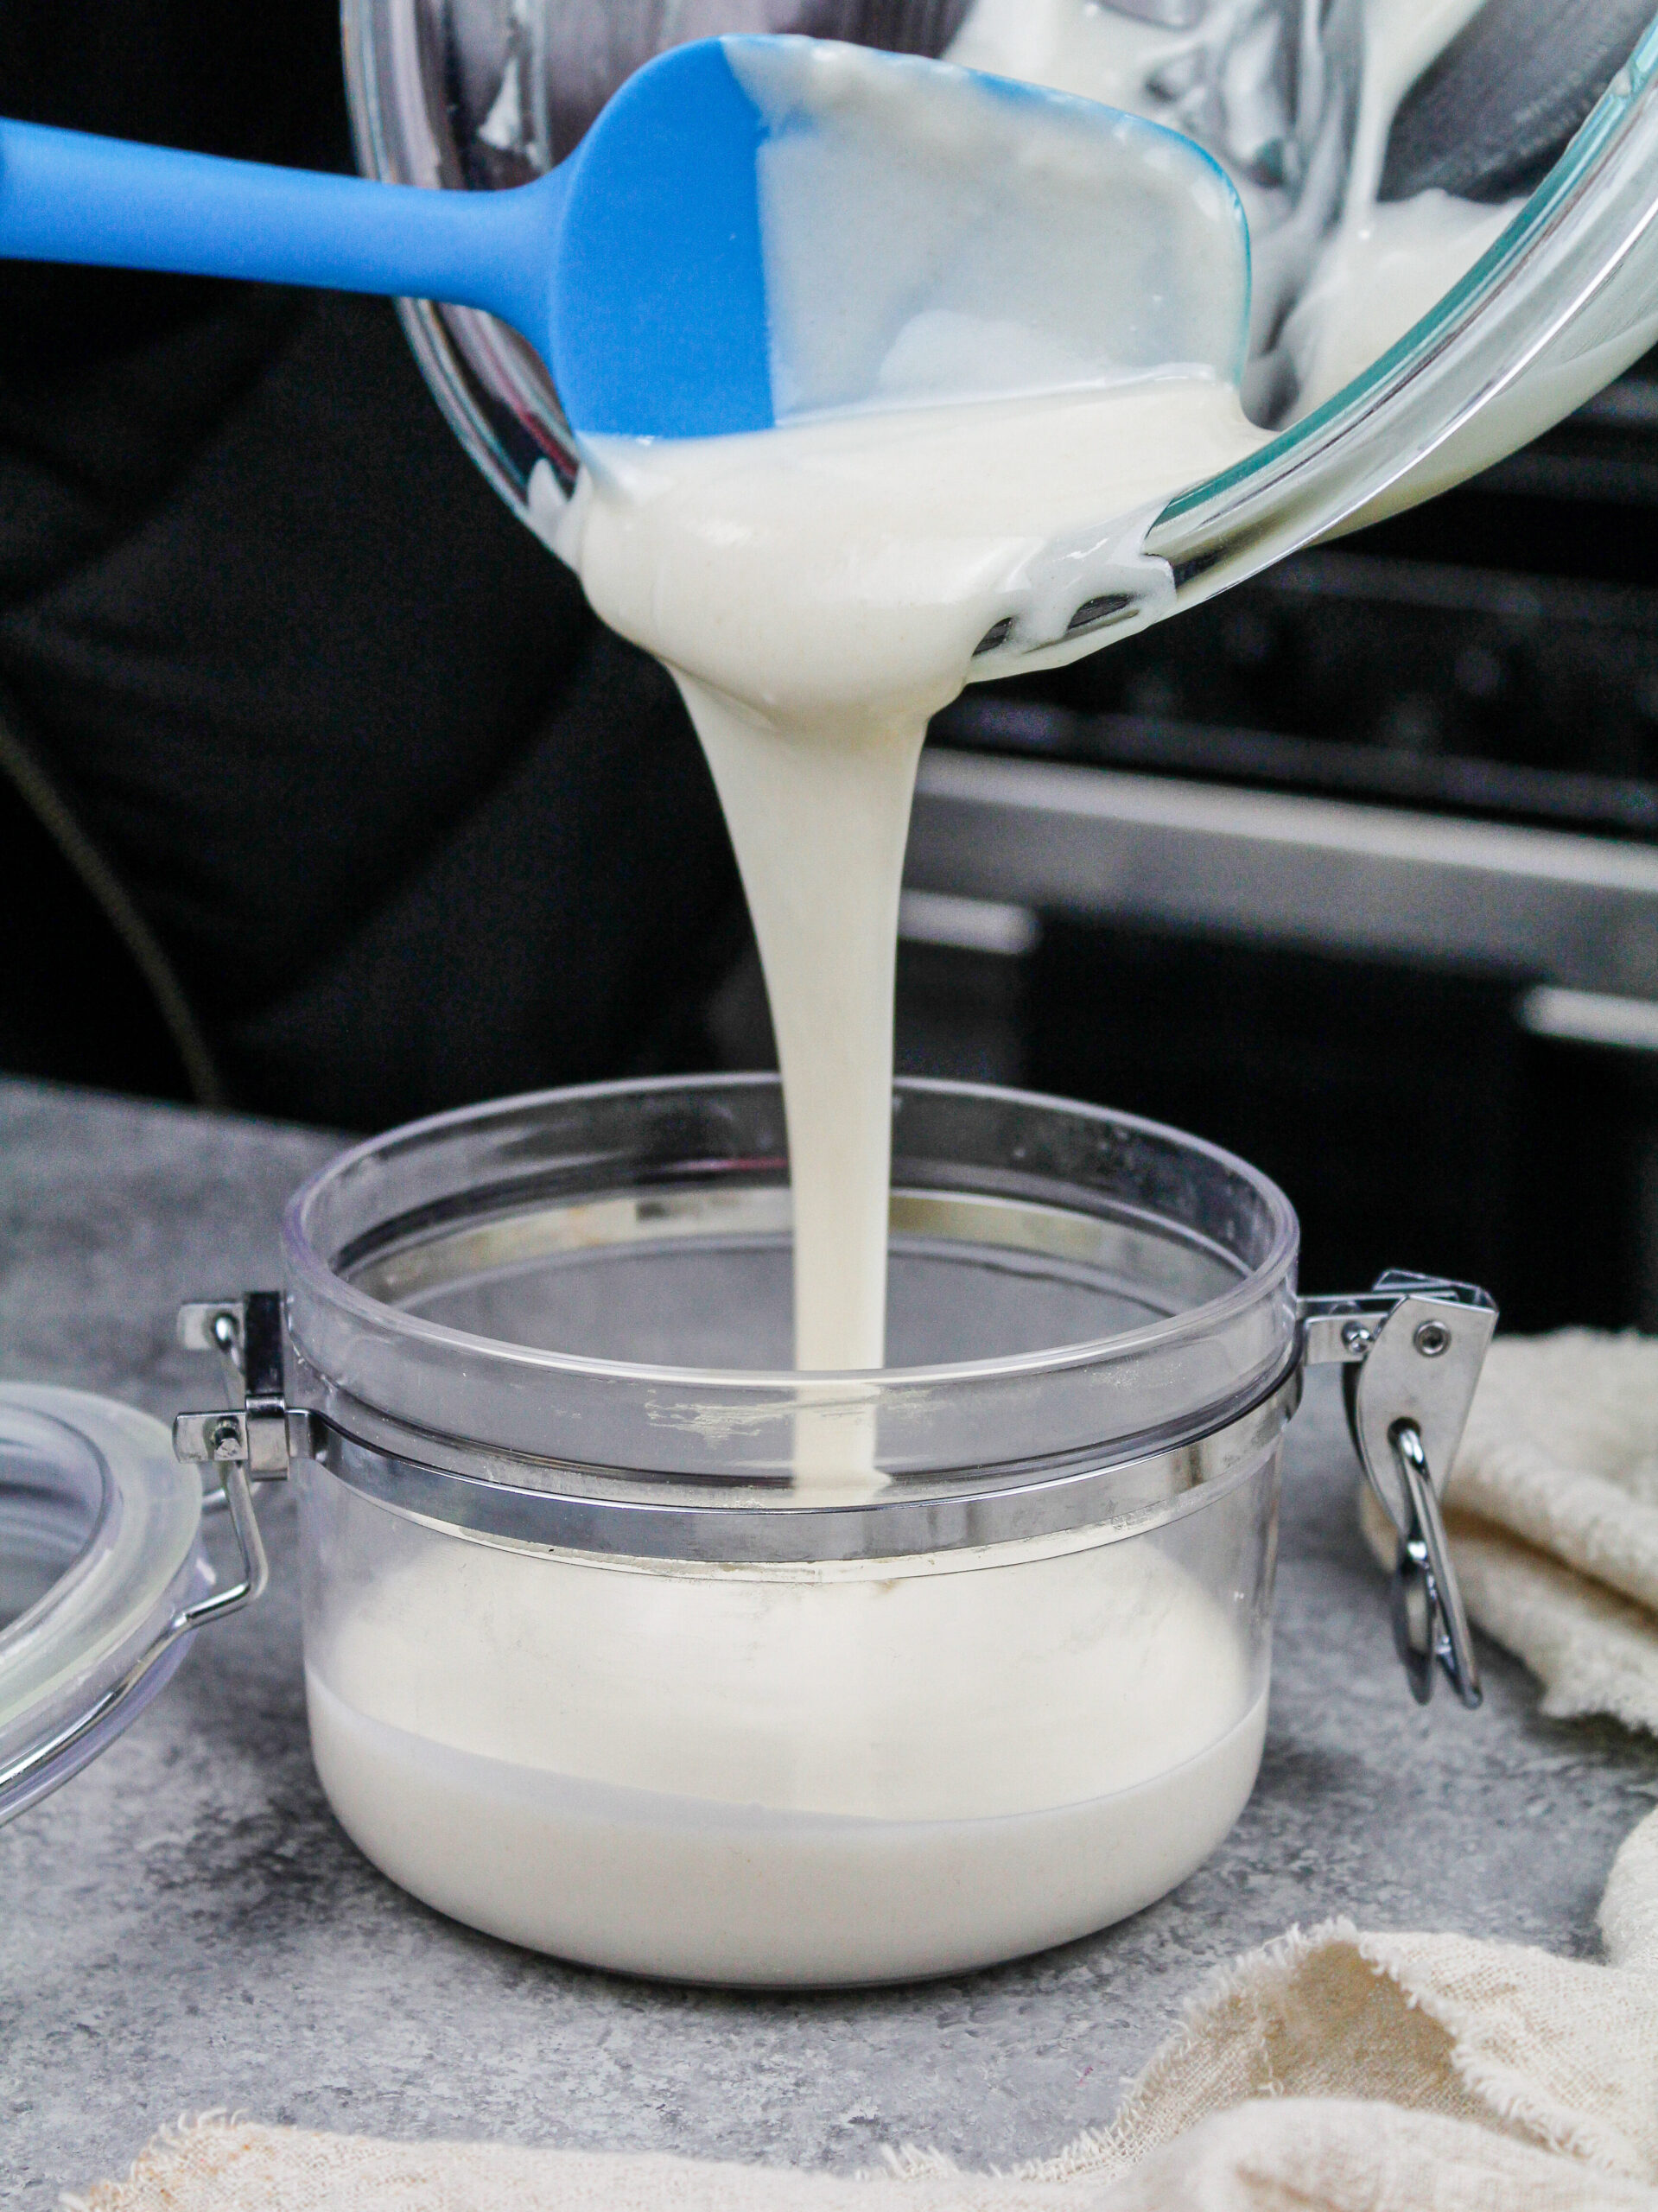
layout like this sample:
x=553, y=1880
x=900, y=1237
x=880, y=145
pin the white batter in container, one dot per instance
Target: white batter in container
x=618, y=1685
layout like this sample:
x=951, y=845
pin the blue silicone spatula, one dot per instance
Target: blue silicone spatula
x=646, y=269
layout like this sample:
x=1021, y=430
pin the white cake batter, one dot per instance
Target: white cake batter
x=1351, y=295
x=819, y=591
x=841, y=1775
x=1388, y=262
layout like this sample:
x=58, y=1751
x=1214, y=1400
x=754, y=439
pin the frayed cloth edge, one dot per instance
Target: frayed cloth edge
x=1507, y=2095
x=164, y=2148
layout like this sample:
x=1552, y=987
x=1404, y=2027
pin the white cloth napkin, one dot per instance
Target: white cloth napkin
x=1552, y=1509
x=1330, y=2072
x=1333, y=2071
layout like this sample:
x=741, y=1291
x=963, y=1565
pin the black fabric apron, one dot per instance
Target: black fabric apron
x=321, y=789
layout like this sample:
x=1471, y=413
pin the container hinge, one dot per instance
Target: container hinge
x=1412, y=1348
x=259, y=1434
x=249, y=1441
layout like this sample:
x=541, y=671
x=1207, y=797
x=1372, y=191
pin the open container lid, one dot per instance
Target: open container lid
x=103, y=1578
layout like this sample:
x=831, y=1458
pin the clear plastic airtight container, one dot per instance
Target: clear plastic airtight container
x=626, y=1643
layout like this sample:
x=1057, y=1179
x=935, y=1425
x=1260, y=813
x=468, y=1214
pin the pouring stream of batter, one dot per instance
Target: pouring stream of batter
x=820, y=590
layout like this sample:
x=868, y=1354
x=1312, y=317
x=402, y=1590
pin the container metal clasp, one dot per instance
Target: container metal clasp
x=247, y=1334
x=247, y=1442
x=1412, y=1348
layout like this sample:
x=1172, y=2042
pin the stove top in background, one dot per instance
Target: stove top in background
x=1492, y=654
x=1353, y=869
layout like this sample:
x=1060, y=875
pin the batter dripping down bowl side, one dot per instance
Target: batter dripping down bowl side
x=589, y=1669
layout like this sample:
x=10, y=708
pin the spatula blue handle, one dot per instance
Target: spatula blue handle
x=637, y=269
x=67, y=196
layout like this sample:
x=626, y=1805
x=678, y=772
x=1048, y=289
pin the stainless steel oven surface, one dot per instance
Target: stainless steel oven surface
x=1355, y=867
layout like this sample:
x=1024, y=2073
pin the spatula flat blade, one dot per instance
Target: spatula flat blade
x=762, y=229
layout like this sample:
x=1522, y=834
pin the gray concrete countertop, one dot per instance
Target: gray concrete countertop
x=184, y=1927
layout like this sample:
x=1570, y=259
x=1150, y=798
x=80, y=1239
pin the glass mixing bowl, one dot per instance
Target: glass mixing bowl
x=482, y=93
